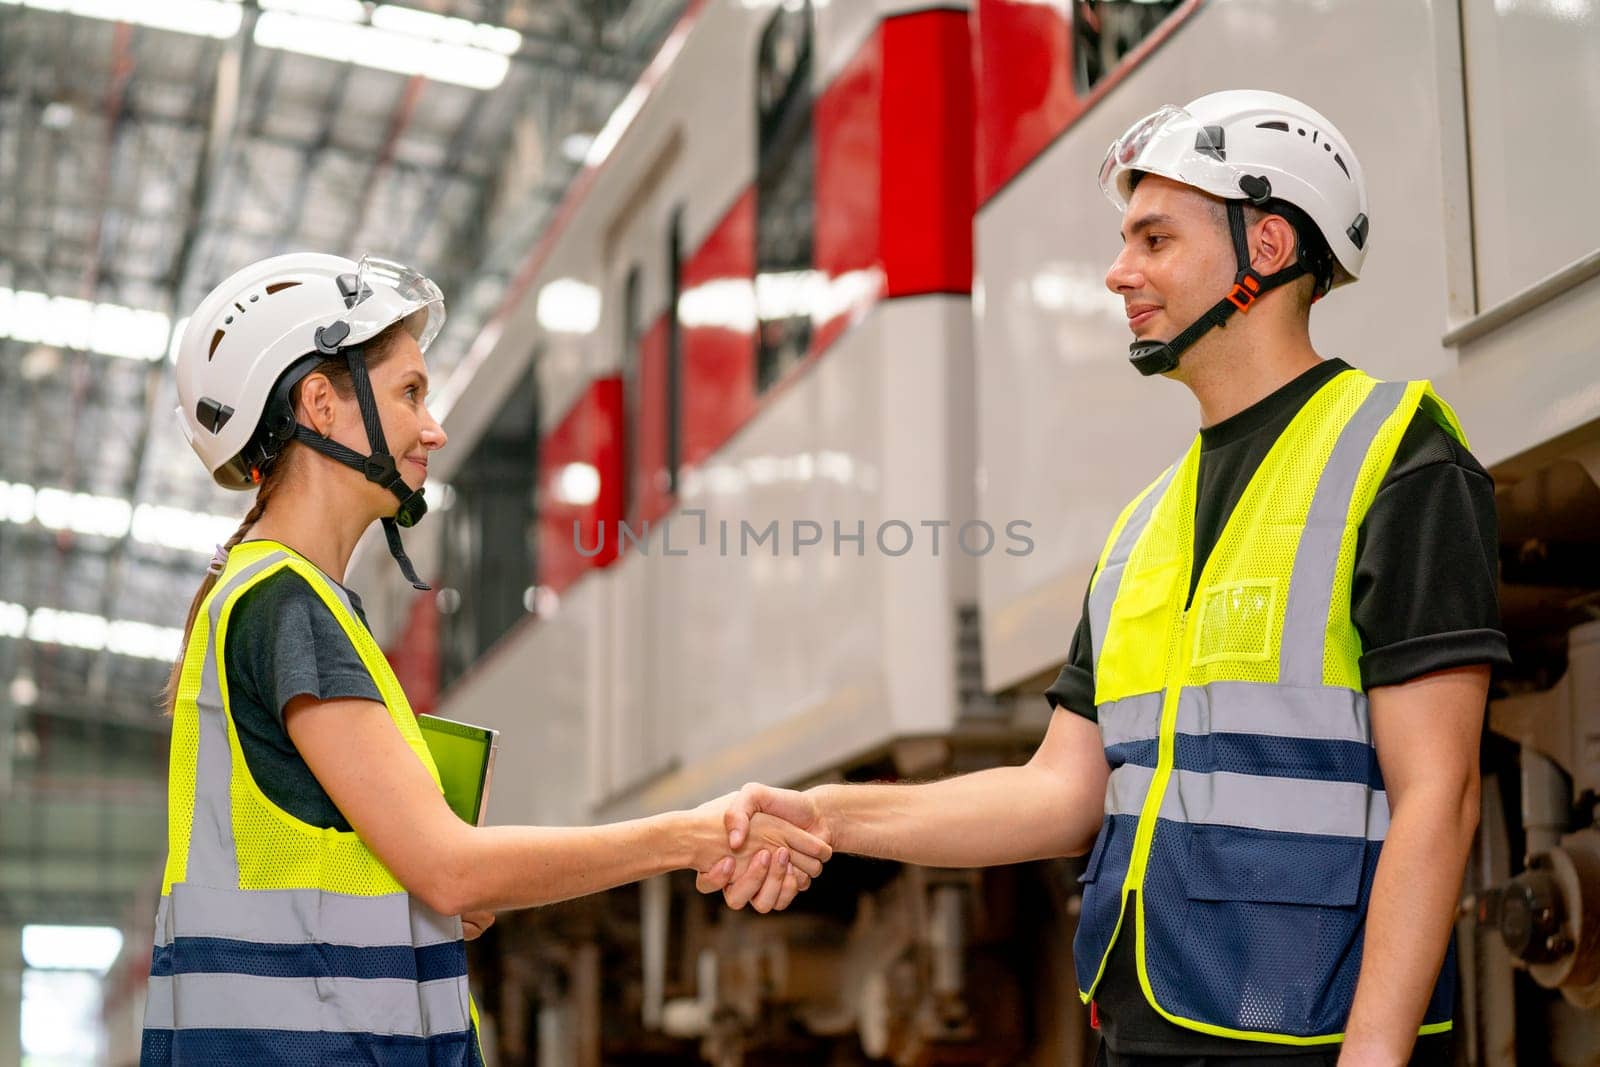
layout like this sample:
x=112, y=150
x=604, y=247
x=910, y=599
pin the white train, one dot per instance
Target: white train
x=821, y=339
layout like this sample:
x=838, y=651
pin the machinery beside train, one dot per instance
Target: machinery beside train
x=791, y=451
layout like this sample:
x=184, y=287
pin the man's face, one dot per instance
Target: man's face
x=1176, y=259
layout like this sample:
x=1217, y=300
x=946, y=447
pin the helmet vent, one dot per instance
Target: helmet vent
x=278, y=287
x=1342, y=167
x=216, y=339
x=1282, y=127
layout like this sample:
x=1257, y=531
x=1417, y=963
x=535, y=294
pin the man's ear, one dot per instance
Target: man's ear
x=1275, y=245
x=315, y=407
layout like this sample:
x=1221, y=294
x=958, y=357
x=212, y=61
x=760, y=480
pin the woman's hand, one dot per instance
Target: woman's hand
x=776, y=860
x=756, y=885
x=474, y=923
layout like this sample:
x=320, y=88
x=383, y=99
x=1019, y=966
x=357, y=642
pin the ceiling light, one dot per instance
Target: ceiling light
x=24, y=690
x=177, y=528
x=726, y=302
x=66, y=322
x=398, y=41
x=567, y=305
x=78, y=630
x=129, y=638
x=75, y=629
x=428, y=26
x=578, y=484
x=13, y=620
x=84, y=513
x=57, y=115
x=16, y=503
x=203, y=18
x=575, y=146
x=71, y=948
x=110, y=516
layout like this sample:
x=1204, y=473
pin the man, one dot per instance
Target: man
x=1285, y=647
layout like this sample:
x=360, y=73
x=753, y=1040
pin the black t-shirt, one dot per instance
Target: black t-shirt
x=283, y=642
x=1423, y=599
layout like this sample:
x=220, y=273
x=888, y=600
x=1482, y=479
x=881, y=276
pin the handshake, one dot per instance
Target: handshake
x=760, y=846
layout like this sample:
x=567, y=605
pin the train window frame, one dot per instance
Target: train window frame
x=674, y=376
x=634, y=325
x=785, y=176
x=490, y=522
x=1085, y=86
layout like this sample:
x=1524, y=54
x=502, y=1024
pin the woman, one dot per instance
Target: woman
x=318, y=889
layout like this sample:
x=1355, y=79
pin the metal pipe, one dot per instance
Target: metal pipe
x=655, y=904
x=947, y=940
x=1514, y=307
x=1546, y=801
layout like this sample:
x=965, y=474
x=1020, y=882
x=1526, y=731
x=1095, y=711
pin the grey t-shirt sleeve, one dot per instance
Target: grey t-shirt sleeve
x=284, y=642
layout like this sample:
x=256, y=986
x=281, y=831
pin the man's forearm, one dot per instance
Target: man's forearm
x=1415, y=893
x=993, y=816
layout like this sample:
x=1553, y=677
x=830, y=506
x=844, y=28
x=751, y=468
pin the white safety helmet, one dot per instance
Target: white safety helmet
x=255, y=336
x=1247, y=146
x=1228, y=143
x=262, y=321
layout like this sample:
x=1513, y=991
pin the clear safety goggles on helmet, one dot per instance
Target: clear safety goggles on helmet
x=1172, y=143
x=387, y=292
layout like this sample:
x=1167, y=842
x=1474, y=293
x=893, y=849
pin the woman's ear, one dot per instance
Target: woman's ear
x=315, y=406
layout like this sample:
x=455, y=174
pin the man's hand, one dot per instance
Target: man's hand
x=774, y=861
x=764, y=886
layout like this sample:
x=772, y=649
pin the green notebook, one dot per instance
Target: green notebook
x=464, y=755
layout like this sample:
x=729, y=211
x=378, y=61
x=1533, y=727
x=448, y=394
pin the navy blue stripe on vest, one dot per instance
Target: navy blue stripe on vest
x=1260, y=754
x=220, y=955
x=262, y=1047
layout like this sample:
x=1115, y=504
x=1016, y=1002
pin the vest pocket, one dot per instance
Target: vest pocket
x=1228, y=863
x=1235, y=621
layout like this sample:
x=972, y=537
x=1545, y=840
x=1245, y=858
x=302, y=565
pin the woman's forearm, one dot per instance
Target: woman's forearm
x=499, y=867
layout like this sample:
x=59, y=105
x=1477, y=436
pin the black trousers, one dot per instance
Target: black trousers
x=1434, y=1053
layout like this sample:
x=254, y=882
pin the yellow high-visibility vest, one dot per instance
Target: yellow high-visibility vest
x=1245, y=808
x=279, y=942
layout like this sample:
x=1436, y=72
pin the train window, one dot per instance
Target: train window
x=632, y=338
x=674, y=428
x=489, y=549
x=785, y=191
x=1105, y=31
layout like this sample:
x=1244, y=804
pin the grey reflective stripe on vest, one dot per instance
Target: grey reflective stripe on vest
x=1136, y=718
x=1109, y=580
x=299, y=916
x=1325, y=713
x=1305, y=616
x=358, y=1005
x=1256, y=802
x=212, y=859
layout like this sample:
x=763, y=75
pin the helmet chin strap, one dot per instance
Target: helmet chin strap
x=1159, y=357
x=379, y=467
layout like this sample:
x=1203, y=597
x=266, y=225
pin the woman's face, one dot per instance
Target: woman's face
x=400, y=389
x=400, y=386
